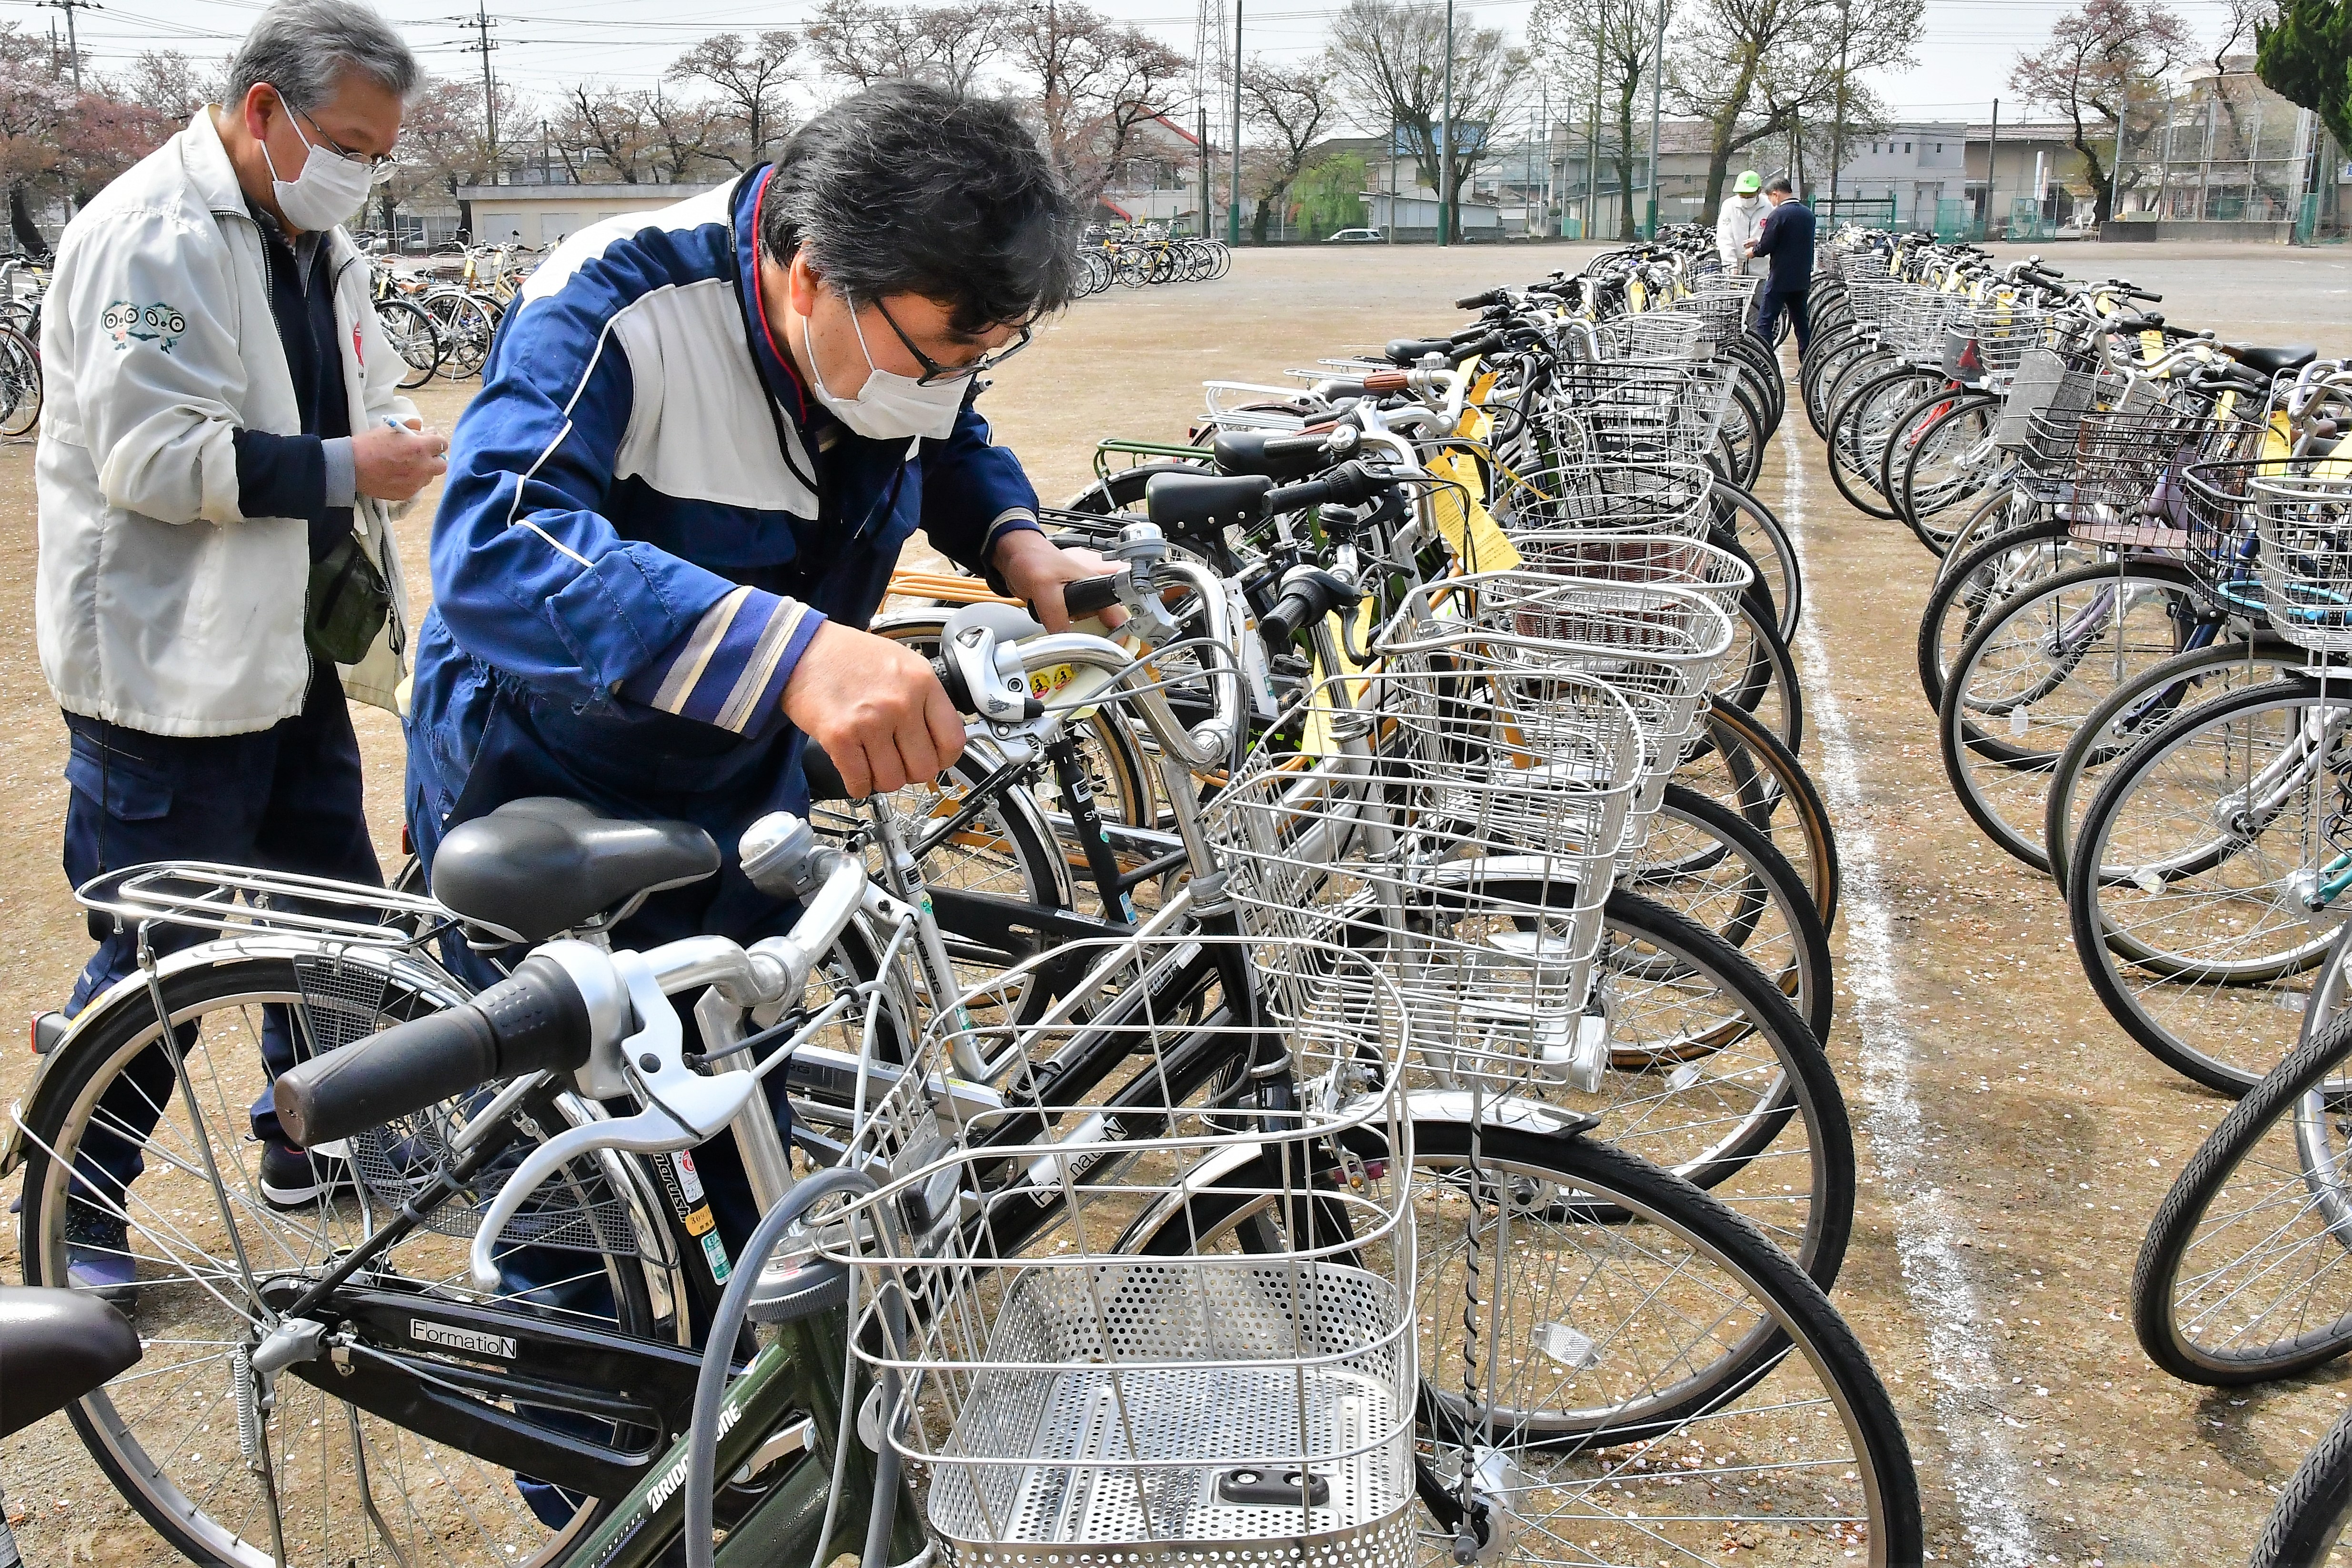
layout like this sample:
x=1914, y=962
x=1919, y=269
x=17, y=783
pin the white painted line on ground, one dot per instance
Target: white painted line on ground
x=1986, y=1478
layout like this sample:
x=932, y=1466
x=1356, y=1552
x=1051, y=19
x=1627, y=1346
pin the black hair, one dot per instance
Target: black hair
x=1780, y=182
x=906, y=188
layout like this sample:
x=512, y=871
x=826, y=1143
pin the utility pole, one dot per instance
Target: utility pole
x=1657, y=81
x=1589, y=216
x=1204, y=168
x=1992, y=170
x=1234, y=208
x=1388, y=233
x=1837, y=131
x=482, y=45
x=1445, y=192
x=73, y=43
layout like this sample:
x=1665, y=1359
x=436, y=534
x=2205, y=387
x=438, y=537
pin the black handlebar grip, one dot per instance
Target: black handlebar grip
x=951, y=681
x=1480, y=301
x=1090, y=595
x=1468, y=351
x=1280, y=624
x=533, y=1020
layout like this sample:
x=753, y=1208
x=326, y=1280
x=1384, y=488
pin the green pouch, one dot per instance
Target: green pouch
x=347, y=604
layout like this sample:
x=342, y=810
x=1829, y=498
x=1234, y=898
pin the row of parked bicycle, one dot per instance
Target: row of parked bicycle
x=21, y=285
x=2134, y=646
x=1133, y=255
x=1334, y=1074
x=441, y=316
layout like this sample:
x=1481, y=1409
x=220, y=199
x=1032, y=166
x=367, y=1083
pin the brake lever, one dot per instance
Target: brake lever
x=686, y=1109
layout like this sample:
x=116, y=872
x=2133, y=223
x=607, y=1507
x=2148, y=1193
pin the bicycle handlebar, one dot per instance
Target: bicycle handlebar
x=534, y=1020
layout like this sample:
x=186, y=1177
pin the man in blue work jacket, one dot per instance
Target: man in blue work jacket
x=703, y=435
x=1786, y=240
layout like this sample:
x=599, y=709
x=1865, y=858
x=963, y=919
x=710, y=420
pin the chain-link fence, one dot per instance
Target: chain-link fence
x=2224, y=150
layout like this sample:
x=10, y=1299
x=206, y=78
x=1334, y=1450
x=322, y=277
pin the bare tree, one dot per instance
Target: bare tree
x=603, y=134
x=1752, y=69
x=1098, y=82
x=1608, y=43
x=749, y=81
x=171, y=84
x=2102, y=60
x=950, y=44
x=1389, y=58
x=1291, y=110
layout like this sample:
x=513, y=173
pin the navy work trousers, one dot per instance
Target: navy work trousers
x=1768, y=316
x=283, y=798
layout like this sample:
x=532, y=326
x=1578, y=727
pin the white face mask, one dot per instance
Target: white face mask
x=889, y=406
x=330, y=188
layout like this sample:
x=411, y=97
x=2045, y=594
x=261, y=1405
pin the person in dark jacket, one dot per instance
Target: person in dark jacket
x=1787, y=242
x=703, y=435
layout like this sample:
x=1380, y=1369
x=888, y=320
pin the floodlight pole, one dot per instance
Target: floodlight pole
x=1234, y=206
x=1657, y=81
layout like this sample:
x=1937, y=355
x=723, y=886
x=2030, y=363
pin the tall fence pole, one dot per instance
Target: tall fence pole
x=1992, y=173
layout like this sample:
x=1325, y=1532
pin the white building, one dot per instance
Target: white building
x=1917, y=165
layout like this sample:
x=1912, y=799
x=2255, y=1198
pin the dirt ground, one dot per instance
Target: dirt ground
x=2013, y=1142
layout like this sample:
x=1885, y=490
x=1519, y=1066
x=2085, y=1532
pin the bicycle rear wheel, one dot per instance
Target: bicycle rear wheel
x=413, y=336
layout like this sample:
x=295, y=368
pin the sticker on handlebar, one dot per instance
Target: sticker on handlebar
x=1043, y=683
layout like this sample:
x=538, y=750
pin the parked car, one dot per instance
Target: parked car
x=1353, y=236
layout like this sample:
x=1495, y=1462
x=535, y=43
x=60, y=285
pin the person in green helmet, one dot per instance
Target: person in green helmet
x=1737, y=224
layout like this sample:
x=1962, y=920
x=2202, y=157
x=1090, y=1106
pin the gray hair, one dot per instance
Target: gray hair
x=302, y=47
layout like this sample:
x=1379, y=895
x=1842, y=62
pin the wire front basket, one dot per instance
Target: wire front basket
x=1655, y=646
x=1661, y=496
x=2303, y=522
x=1467, y=860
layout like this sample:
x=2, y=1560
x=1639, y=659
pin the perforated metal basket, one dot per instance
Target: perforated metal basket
x=1074, y=1347
x=1660, y=335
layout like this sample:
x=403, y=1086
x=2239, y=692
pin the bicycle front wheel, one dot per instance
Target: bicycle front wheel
x=2313, y=1507
x=118, y=1175
x=2246, y=1272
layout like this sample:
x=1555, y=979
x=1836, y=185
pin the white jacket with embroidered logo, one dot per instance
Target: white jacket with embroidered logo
x=159, y=605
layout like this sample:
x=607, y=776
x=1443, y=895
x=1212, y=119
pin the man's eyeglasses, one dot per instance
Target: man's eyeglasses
x=935, y=373
x=379, y=168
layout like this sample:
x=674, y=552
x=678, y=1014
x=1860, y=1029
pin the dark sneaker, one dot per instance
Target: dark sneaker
x=98, y=1255
x=291, y=1177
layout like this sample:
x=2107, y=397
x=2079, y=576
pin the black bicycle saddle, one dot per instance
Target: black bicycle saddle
x=544, y=864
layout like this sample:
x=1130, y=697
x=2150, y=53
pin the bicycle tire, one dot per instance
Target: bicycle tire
x=2229, y=666
x=2007, y=670
x=414, y=338
x=2264, y=1227
x=2313, y=1507
x=57, y=1118
x=1742, y=765
x=1764, y=539
x=1709, y=864
x=1976, y=584
x=1924, y=512
x=1859, y=428
x=2234, y=1005
x=20, y=382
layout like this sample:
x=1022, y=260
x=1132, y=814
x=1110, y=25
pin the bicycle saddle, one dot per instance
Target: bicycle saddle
x=1184, y=505
x=59, y=1345
x=1279, y=458
x=544, y=864
x=1409, y=351
x=2271, y=362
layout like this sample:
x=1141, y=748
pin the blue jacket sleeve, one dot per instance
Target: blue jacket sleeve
x=1771, y=229
x=974, y=493
x=534, y=580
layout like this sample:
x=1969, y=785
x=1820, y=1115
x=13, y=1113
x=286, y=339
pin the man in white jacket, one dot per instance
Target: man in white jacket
x=221, y=448
x=1737, y=224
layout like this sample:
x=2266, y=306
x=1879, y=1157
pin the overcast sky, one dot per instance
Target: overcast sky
x=546, y=45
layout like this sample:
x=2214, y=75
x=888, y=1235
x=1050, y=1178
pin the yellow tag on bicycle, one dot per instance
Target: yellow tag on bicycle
x=2151, y=345
x=1478, y=541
